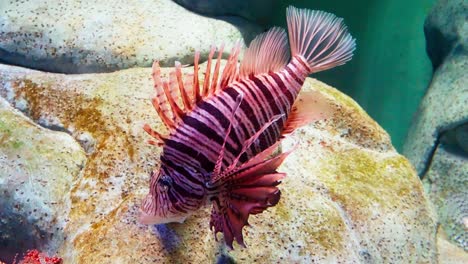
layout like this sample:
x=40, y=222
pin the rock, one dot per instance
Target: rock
x=102, y=36
x=437, y=142
x=349, y=196
x=254, y=10
x=450, y=253
x=38, y=167
x=445, y=29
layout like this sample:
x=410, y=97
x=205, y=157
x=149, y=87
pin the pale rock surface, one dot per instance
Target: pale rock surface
x=449, y=253
x=437, y=144
x=70, y=36
x=349, y=196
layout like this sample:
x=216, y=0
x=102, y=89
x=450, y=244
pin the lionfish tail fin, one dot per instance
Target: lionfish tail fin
x=249, y=189
x=319, y=37
x=267, y=52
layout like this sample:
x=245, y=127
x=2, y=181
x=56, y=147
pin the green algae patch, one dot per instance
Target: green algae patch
x=357, y=180
x=13, y=133
x=5, y=131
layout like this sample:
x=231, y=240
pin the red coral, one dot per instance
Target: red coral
x=36, y=257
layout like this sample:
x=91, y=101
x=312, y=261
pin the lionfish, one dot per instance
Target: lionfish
x=221, y=145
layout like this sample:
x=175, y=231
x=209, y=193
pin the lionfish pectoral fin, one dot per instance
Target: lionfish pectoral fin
x=310, y=106
x=219, y=161
x=245, y=146
x=248, y=189
x=252, y=139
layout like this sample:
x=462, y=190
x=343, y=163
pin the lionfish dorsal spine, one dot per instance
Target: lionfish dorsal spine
x=206, y=81
x=214, y=82
x=184, y=93
x=168, y=93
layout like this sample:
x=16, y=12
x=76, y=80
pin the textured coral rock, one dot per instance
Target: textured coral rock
x=37, y=170
x=437, y=143
x=100, y=36
x=349, y=196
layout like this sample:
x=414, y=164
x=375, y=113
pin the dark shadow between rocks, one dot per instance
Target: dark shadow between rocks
x=225, y=259
x=256, y=11
x=59, y=64
x=19, y=233
x=168, y=237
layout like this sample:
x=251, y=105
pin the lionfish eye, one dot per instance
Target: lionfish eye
x=165, y=181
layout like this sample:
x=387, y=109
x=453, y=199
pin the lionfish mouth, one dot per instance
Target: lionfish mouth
x=149, y=219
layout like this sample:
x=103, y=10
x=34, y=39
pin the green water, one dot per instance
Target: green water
x=390, y=70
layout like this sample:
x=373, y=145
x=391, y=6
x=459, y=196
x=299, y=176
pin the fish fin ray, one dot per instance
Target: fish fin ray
x=171, y=96
x=160, y=101
x=231, y=69
x=319, y=37
x=185, y=89
x=248, y=189
x=207, y=79
x=159, y=139
x=196, y=83
x=310, y=106
x=219, y=161
x=267, y=52
x=252, y=139
x=214, y=80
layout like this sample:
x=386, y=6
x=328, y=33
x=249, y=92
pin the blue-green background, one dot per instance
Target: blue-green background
x=390, y=70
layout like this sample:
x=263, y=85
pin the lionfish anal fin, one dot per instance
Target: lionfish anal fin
x=310, y=106
x=179, y=95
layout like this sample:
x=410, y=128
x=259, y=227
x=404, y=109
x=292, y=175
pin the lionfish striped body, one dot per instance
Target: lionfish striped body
x=220, y=145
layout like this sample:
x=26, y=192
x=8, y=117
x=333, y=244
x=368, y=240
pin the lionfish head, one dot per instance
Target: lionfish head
x=165, y=202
